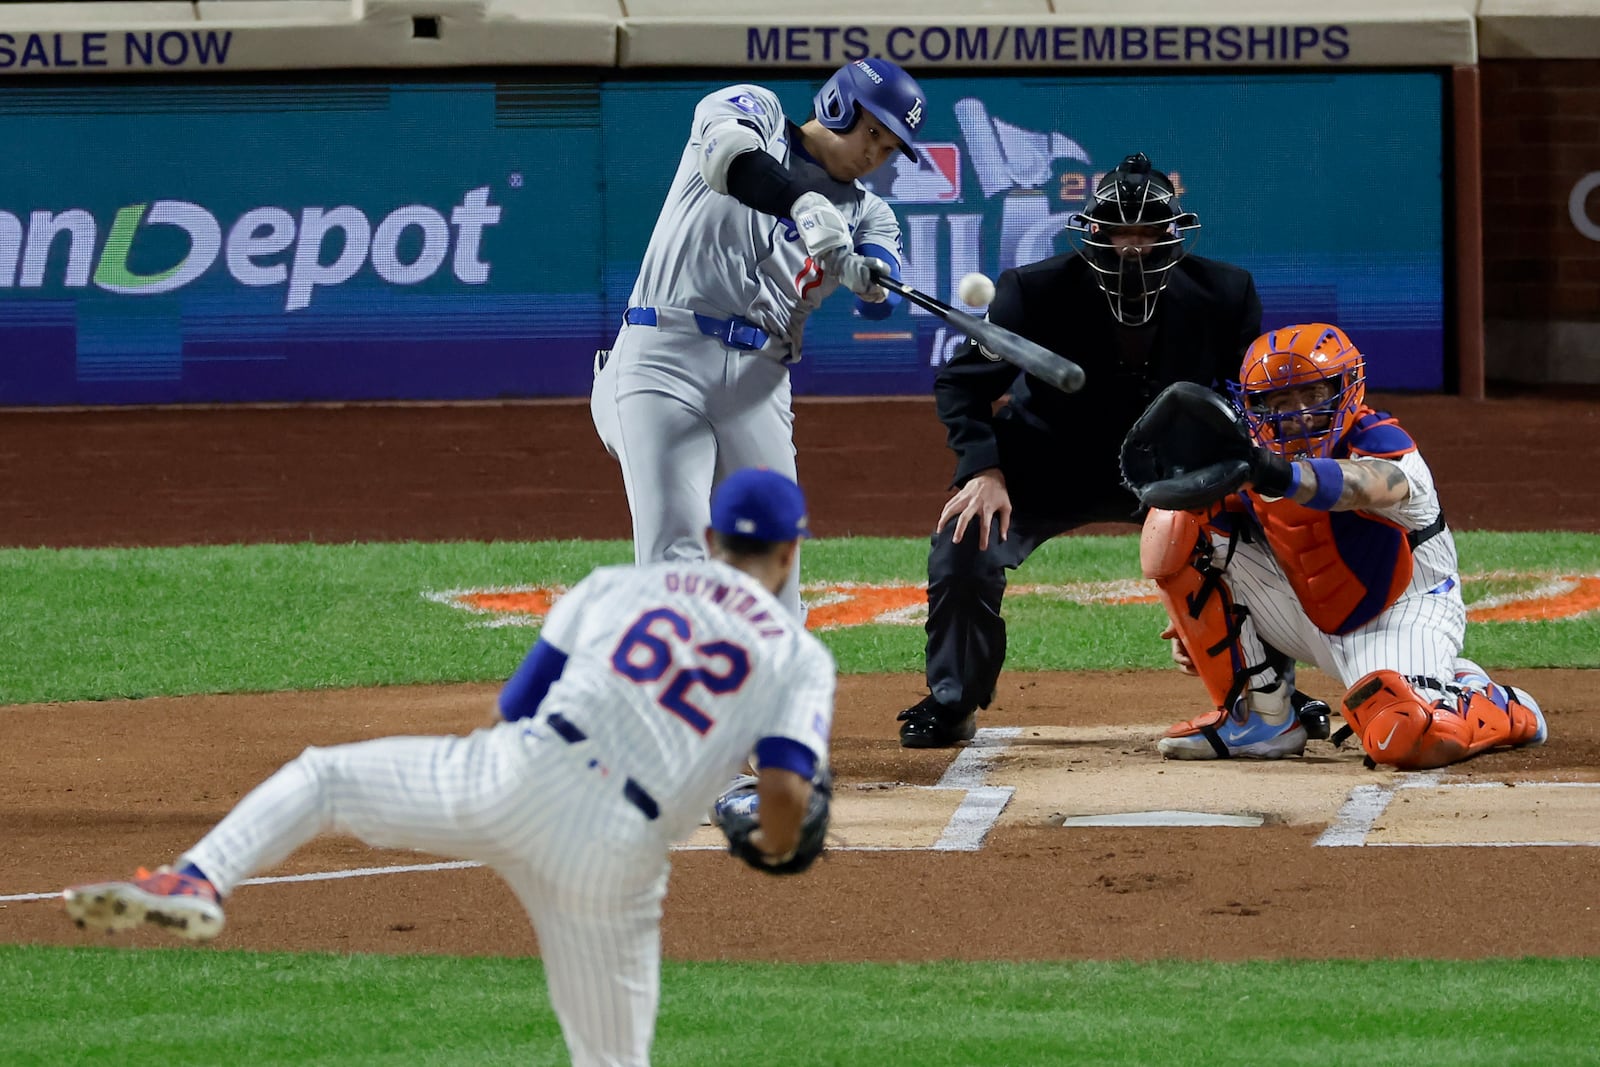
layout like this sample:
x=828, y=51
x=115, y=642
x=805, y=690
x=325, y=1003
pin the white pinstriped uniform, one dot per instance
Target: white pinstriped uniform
x=1419, y=636
x=551, y=814
x=680, y=409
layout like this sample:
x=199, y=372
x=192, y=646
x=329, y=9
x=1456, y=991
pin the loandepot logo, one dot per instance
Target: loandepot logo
x=264, y=246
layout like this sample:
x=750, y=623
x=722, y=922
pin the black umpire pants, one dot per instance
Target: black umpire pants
x=966, y=633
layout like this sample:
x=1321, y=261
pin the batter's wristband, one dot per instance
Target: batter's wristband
x=1330, y=483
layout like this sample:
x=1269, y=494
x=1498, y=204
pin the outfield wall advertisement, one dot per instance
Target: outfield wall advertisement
x=365, y=240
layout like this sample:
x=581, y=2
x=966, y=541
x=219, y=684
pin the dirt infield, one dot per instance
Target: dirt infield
x=90, y=790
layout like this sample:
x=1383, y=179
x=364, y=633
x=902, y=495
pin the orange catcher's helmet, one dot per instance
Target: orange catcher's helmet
x=1277, y=395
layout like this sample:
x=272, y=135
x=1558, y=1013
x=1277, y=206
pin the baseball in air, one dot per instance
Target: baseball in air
x=976, y=290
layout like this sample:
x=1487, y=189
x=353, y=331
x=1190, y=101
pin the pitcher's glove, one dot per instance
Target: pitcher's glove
x=1191, y=449
x=735, y=815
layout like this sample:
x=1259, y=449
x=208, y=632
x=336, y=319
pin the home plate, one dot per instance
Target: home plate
x=1165, y=818
x=1115, y=772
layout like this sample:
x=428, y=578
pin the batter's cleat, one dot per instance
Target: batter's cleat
x=1235, y=737
x=183, y=905
x=1313, y=714
x=930, y=724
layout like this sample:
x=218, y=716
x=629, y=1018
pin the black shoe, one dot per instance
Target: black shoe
x=1313, y=715
x=930, y=724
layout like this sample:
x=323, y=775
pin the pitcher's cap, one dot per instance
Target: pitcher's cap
x=759, y=503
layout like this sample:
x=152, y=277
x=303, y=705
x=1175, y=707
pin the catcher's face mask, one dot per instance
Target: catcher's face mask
x=1299, y=389
x=1132, y=234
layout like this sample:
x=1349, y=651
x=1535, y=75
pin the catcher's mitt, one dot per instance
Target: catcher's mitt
x=735, y=815
x=1188, y=450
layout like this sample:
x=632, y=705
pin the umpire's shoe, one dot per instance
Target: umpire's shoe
x=930, y=724
x=1313, y=715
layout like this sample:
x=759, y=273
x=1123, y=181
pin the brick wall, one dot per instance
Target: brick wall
x=1541, y=137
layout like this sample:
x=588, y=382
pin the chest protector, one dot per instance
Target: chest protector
x=1346, y=567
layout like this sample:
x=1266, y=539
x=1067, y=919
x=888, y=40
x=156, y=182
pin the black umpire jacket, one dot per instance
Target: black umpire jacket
x=1047, y=441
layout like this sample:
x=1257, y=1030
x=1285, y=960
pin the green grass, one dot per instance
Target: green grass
x=79, y=624
x=96, y=623
x=101, y=1006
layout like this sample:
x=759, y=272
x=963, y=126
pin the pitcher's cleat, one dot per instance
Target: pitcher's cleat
x=183, y=905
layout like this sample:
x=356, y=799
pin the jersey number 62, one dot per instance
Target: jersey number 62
x=644, y=655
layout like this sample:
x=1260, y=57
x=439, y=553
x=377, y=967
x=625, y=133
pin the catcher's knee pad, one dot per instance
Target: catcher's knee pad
x=1175, y=553
x=1499, y=715
x=1399, y=728
x=1167, y=542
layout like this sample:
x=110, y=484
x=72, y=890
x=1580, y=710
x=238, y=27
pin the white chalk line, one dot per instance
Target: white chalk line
x=983, y=804
x=1362, y=808
x=1365, y=805
x=1503, y=785
x=971, y=822
x=315, y=876
x=1482, y=844
x=980, y=808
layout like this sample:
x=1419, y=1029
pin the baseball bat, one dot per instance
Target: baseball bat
x=1020, y=352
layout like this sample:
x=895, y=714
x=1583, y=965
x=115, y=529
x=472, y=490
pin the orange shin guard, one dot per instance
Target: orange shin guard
x=1174, y=553
x=1397, y=727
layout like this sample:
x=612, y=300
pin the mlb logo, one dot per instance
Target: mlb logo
x=935, y=178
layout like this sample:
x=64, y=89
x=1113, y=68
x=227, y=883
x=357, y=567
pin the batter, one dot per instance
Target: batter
x=764, y=219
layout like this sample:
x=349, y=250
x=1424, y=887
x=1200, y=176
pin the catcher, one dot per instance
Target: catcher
x=1303, y=518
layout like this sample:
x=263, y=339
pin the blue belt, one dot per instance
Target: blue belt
x=632, y=791
x=735, y=332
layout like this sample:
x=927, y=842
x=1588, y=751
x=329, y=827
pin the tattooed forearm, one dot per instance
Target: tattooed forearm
x=1368, y=484
x=1376, y=483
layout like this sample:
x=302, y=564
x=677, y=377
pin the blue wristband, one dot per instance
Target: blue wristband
x=1294, y=481
x=1330, y=483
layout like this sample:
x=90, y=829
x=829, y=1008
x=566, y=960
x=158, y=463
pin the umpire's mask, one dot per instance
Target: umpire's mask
x=1132, y=233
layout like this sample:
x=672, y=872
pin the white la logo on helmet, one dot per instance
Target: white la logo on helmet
x=914, y=116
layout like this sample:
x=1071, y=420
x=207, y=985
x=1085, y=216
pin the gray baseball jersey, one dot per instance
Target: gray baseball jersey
x=712, y=254
x=677, y=404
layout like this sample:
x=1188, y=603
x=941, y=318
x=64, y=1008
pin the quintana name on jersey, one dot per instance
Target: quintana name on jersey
x=730, y=598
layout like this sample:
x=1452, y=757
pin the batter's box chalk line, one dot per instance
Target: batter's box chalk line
x=1366, y=804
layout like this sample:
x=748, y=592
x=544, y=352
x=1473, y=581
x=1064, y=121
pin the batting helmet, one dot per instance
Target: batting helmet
x=1131, y=270
x=892, y=95
x=1294, y=357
